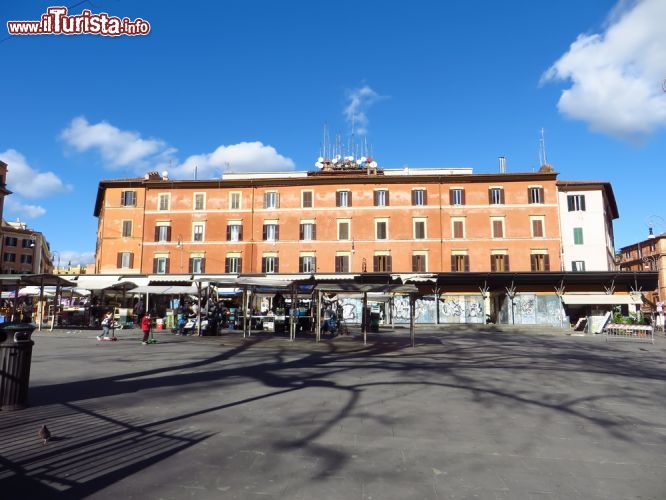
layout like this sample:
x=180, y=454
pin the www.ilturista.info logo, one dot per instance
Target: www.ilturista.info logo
x=56, y=21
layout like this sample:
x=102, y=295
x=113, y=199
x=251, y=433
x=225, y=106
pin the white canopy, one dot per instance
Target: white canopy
x=165, y=290
x=600, y=299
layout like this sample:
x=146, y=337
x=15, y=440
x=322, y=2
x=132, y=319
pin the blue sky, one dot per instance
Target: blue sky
x=249, y=85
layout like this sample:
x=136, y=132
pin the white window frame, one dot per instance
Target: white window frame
x=348, y=222
x=457, y=194
x=464, y=227
x=495, y=200
x=163, y=233
x=122, y=228
x=161, y=264
x=344, y=192
x=123, y=263
x=271, y=226
x=313, y=262
x=577, y=202
x=381, y=197
x=124, y=200
x=197, y=259
x=535, y=195
x=232, y=194
x=543, y=225
x=574, y=265
x=272, y=261
x=311, y=226
x=202, y=225
x=166, y=196
x=311, y=191
x=194, y=201
x=234, y=235
x=419, y=193
x=416, y=220
x=422, y=253
x=271, y=195
x=492, y=227
x=378, y=221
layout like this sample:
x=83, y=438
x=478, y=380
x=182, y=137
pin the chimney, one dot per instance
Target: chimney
x=502, y=164
x=650, y=232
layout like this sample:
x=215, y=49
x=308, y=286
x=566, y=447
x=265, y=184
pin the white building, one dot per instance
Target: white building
x=587, y=210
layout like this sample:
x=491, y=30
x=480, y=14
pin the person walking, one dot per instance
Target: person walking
x=106, y=325
x=145, y=328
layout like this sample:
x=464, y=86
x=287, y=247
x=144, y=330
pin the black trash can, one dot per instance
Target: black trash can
x=15, y=357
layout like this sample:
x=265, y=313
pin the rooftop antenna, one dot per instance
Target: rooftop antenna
x=543, y=159
x=196, y=168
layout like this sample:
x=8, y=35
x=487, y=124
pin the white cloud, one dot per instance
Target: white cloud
x=119, y=148
x=616, y=76
x=28, y=182
x=242, y=157
x=359, y=101
x=16, y=207
x=73, y=258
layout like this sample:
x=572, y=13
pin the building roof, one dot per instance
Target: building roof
x=416, y=175
x=646, y=240
x=582, y=185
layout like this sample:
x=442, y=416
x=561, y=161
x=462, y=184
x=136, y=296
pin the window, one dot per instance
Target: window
x=26, y=259
x=540, y=262
x=419, y=229
x=27, y=243
x=233, y=265
x=125, y=260
x=419, y=197
x=306, y=199
x=459, y=263
x=127, y=228
x=11, y=241
x=271, y=232
x=128, y=198
x=161, y=265
x=381, y=198
x=457, y=196
x=496, y=196
x=306, y=264
x=419, y=263
x=458, y=228
x=235, y=201
x=382, y=263
x=537, y=227
x=271, y=199
x=343, y=199
x=499, y=263
x=198, y=232
x=497, y=225
x=343, y=230
x=381, y=229
x=270, y=264
x=197, y=265
x=578, y=265
x=342, y=263
x=234, y=232
x=164, y=200
x=578, y=235
x=576, y=202
x=199, y=201
x=9, y=257
x=535, y=195
x=163, y=233
x=308, y=231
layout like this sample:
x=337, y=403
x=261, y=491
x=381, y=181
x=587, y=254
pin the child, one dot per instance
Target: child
x=106, y=324
x=145, y=328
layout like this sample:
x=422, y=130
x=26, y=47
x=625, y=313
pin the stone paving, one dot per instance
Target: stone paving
x=465, y=414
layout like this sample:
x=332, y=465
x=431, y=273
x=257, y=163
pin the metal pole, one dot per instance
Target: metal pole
x=40, y=307
x=391, y=299
x=412, y=332
x=364, y=318
x=199, y=307
x=16, y=295
x=317, y=318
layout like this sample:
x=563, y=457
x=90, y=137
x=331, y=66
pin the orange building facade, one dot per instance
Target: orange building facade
x=418, y=220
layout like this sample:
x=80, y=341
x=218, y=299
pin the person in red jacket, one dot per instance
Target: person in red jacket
x=145, y=328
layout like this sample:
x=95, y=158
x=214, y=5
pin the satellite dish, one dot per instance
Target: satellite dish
x=320, y=159
x=165, y=174
x=373, y=164
x=334, y=160
x=319, y=164
x=363, y=159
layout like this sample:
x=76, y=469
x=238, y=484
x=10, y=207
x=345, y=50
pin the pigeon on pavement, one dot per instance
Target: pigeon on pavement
x=44, y=434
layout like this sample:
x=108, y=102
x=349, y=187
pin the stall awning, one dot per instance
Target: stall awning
x=170, y=278
x=335, y=277
x=415, y=278
x=103, y=283
x=166, y=290
x=600, y=299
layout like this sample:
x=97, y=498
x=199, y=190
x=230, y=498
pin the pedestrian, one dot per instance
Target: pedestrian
x=145, y=328
x=106, y=324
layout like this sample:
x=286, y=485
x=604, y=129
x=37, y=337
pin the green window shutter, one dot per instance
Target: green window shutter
x=578, y=235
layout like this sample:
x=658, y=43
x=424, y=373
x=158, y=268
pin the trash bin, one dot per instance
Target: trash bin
x=15, y=356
